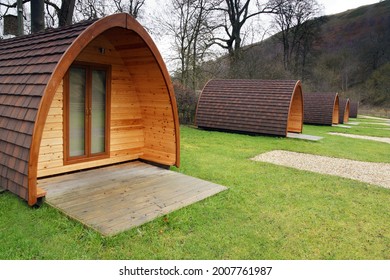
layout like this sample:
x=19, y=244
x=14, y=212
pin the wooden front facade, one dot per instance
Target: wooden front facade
x=140, y=123
x=140, y=112
x=344, y=110
x=295, y=115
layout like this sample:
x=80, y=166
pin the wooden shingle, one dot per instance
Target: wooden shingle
x=26, y=64
x=321, y=108
x=251, y=106
x=353, y=108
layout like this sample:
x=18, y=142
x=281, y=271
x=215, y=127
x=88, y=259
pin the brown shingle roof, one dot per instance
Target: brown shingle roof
x=26, y=65
x=319, y=107
x=251, y=106
x=353, y=109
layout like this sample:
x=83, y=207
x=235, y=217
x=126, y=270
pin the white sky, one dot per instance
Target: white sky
x=330, y=7
x=338, y=6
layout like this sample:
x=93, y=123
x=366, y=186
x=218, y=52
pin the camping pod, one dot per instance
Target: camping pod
x=251, y=106
x=353, y=109
x=88, y=95
x=321, y=108
x=343, y=110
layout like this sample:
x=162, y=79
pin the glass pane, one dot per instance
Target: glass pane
x=98, y=117
x=76, y=112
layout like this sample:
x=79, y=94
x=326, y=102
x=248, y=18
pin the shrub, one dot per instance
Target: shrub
x=378, y=87
x=186, y=102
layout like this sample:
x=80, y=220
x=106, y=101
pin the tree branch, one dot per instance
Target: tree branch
x=47, y=2
x=10, y=6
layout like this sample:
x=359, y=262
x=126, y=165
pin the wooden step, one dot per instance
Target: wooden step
x=41, y=192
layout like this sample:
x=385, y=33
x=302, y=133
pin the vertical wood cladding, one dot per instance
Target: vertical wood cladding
x=251, y=106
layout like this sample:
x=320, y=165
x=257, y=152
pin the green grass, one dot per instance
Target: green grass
x=268, y=212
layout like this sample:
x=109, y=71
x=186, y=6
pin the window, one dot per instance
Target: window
x=86, y=119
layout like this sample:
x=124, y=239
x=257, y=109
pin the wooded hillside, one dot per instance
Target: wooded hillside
x=349, y=53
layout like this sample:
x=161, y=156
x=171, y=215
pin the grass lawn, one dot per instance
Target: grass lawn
x=269, y=211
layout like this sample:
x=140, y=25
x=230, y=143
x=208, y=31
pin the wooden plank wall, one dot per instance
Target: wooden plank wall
x=156, y=108
x=296, y=115
x=141, y=116
x=335, y=115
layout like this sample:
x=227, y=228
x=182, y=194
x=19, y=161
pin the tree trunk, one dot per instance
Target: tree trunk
x=37, y=16
x=65, y=14
x=20, y=17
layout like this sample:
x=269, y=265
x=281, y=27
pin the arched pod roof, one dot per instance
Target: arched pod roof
x=343, y=110
x=31, y=69
x=321, y=108
x=353, y=109
x=251, y=106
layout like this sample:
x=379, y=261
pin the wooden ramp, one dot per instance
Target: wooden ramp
x=116, y=198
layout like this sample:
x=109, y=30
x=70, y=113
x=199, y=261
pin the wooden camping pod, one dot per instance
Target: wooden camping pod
x=353, y=109
x=113, y=60
x=343, y=110
x=321, y=108
x=251, y=106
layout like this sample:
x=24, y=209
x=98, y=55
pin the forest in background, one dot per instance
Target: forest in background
x=347, y=52
x=350, y=54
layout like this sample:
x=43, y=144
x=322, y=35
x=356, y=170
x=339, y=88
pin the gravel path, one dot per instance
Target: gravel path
x=377, y=128
x=372, y=138
x=373, y=173
x=375, y=118
x=376, y=123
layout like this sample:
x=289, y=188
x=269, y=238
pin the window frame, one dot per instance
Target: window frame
x=88, y=156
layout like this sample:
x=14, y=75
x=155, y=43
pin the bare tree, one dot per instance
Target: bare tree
x=189, y=24
x=236, y=13
x=18, y=5
x=292, y=20
x=65, y=12
x=131, y=7
x=37, y=16
x=58, y=13
x=91, y=9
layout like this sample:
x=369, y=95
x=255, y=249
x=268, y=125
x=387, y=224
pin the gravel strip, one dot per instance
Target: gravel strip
x=368, y=172
x=375, y=118
x=380, y=128
x=376, y=123
x=372, y=138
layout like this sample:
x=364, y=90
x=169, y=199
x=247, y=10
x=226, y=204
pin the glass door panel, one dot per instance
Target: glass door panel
x=77, y=112
x=98, y=111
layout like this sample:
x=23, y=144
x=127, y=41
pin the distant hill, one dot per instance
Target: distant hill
x=351, y=55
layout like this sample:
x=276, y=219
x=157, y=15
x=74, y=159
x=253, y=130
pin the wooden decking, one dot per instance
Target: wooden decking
x=116, y=198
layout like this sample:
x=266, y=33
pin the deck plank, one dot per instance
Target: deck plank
x=116, y=198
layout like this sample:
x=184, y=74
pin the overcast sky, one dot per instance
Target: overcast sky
x=338, y=6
